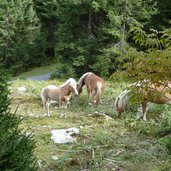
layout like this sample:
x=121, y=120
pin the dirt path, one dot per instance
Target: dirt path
x=42, y=77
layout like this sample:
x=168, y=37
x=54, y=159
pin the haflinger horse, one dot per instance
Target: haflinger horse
x=94, y=84
x=158, y=93
x=61, y=93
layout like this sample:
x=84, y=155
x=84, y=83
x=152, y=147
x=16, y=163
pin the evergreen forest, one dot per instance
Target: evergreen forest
x=84, y=35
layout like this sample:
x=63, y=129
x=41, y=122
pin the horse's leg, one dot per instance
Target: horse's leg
x=44, y=100
x=144, y=110
x=97, y=99
x=64, y=108
x=94, y=94
x=66, y=101
x=45, y=103
x=98, y=92
x=64, y=105
x=89, y=95
x=48, y=105
x=61, y=107
x=60, y=102
x=90, y=98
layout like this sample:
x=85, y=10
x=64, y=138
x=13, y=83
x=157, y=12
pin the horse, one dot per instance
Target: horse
x=61, y=93
x=158, y=93
x=94, y=84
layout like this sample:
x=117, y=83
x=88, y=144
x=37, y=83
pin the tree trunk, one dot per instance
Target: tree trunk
x=90, y=22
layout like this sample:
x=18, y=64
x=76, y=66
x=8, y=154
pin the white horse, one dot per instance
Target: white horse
x=158, y=93
x=61, y=93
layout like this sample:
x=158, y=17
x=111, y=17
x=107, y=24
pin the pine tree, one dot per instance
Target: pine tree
x=48, y=12
x=16, y=149
x=91, y=35
x=18, y=29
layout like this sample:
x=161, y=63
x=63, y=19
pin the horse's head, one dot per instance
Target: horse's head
x=73, y=86
x=81, y=82
x=121, y=101
x=79, y=89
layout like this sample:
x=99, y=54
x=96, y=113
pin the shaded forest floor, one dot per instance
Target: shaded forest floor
x=103, y=144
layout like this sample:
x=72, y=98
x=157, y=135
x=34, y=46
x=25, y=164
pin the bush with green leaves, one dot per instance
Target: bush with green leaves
x=151, y=61
x=16, y=148
x=166, y=128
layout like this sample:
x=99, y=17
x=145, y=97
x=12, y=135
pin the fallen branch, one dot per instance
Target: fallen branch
x=69, y=151
x=112, y=160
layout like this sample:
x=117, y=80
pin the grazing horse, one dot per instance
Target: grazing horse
x=159, y=93
x=94, y=84
x=61, y=93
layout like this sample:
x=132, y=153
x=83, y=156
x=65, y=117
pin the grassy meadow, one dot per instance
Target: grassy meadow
x=103, y=144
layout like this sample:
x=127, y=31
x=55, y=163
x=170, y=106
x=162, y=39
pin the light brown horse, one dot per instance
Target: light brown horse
x=94, y=84
x=62, y=93
x=159, y=93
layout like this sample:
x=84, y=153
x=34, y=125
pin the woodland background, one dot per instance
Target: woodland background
x=83, y=35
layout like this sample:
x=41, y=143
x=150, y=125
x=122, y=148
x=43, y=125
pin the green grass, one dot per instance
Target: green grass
x=102, y=145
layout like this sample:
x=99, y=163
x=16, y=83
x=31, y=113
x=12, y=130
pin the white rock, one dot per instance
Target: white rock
x=60, y=136
x=22, y=89
x=55, y=157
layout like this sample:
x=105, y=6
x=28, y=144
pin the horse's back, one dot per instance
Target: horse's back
x=51, y=91
x=92, y=80
x=159, y=94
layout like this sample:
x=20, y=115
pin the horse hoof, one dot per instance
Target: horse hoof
x=46, y=114
x=62, y=115
x=145, y=119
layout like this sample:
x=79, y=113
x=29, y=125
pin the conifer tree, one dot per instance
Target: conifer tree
x=92, y=34
x=18, y=29
x=48, y=12
x=16, y=149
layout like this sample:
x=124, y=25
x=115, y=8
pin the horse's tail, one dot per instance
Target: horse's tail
x=43, y=97
x=98, y=92
x=122, y=101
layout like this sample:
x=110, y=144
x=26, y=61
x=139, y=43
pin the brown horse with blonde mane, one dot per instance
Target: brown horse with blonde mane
x=61, y=93
x=158, y=93
x=94, y=84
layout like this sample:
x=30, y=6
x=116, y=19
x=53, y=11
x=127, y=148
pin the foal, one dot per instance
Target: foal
x=62, y=93
x=94, y=84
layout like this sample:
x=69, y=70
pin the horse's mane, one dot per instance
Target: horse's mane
x=70, y=80
x=80, y=82
x=122, y=100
